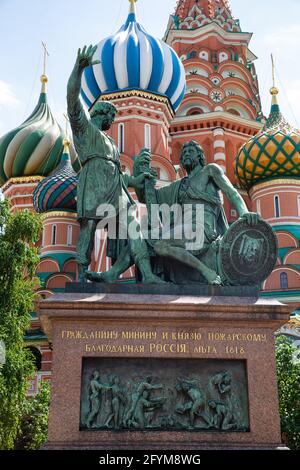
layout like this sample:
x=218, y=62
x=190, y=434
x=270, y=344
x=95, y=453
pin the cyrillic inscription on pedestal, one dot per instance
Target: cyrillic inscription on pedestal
x=164, y=394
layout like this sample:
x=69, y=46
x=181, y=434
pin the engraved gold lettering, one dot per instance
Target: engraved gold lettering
x=186, y=336
x=121, y=349
x=205, y=349
x=237, y=337
x=168, y=348
x=234, y=350
x=139, y=335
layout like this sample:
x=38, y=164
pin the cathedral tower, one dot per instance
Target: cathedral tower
x=221, y=108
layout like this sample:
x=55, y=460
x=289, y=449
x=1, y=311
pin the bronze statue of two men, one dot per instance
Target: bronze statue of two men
x=101, y=182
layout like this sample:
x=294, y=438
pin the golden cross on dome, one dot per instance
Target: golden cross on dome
x=67, y=122
x=46, y=53
x=66, y=139
x=132, y=6
x=274, y=90
x=273, y=70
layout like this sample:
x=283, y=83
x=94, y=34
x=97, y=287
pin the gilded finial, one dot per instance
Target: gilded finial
x=44, y=78
x=66, y=140
x=274, y=90
x=132, y=6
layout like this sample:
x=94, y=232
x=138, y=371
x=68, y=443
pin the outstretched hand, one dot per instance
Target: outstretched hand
x=252, y=218
x=138, y=182
x=85, y=57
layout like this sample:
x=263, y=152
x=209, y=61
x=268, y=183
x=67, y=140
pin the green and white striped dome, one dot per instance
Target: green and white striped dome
x=36, y=146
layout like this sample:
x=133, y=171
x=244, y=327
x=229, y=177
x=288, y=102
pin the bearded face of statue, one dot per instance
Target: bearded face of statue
x=103, y=121
x=190, y=157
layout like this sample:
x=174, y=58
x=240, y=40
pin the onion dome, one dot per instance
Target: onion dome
x=273, y=153
x=58, y=191
x=36, y=146
x=132, y=59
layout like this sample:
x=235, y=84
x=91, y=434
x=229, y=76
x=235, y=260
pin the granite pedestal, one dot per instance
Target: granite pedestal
x=164, y=334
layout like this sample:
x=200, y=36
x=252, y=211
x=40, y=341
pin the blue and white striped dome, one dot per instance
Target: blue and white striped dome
x=132, y=59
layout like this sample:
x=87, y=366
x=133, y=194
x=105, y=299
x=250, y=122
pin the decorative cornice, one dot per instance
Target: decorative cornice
x=138, y=94
x=176, y=35
x=274, y=181
x=222, y=118
x=49, y=215
x=21, y=180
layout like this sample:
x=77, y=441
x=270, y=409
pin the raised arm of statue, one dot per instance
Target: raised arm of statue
x=76, y=112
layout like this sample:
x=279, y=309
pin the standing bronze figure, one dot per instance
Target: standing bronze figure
x=101, y=181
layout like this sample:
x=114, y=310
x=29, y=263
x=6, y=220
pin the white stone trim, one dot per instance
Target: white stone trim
x=59, y=221
x=219, y=144
x=216, y=115
x=218, y=131
x=144, y=118
x=274, y=221
x=286, y=268
x=53, y=252
x=220, y=156
x=17, y=206
x=206, y=30
x=285, y=259
x=277, y=189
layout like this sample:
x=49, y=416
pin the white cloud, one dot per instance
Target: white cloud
x=284, y=38
x=284, y=44
x=292, y=93
x=7, y=95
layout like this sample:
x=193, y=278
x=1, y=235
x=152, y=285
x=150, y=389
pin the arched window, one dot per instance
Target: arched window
x=277, y=206
x=53, y=237
x=233, y=111
x=258, y=206
x=203, y=55
x=37, y=357
x=158, y=171
x=284, y=282
x=69, y=236
x=192, y=55
x=223, y=56
x=147, y=136
x=194, y=111
x=43, y=237
x=121, y=137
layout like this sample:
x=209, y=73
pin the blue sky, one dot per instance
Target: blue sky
x=66, y=25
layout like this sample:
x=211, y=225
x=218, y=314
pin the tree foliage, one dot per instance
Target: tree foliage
x=288, y=374
x=34, y=422
x=19, y=233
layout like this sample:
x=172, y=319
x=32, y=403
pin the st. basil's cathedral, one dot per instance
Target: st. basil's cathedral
x=198, y=83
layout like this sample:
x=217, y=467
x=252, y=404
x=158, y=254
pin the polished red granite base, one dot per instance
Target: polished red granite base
x=162, y=326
